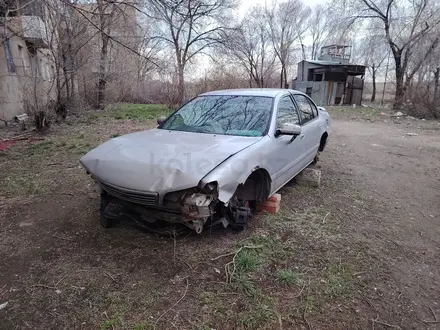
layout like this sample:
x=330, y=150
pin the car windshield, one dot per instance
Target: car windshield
x=223, y=114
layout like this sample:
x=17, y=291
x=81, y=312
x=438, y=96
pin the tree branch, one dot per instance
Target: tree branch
x=101, y=29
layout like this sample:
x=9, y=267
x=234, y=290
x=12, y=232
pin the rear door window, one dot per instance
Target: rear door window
x=314, y=108
x=305, y=108
x=287, y=112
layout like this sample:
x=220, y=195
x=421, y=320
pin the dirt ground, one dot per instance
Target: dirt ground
x=360, y=252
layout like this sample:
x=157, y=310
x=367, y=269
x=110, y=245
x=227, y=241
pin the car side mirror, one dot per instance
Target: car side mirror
x=289, y=129
x=161, y=120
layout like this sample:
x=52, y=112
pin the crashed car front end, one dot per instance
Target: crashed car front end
x=188, y=169
x=195, y=207
x=150, y=187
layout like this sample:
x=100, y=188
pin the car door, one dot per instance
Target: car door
x=287, y=152
x=311, y=132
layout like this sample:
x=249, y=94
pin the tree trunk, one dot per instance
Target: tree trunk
x=72, y=85
x=58, y=81
x=281, y=76
x=181, y=85
x=437, y=86
x=400, y=89
x=257, y=80
x=66, y=84
x=373, y=73
x=72, y=72
x=102, y=82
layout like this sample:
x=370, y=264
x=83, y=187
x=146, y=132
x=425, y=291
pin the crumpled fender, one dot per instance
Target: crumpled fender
x=234, y=171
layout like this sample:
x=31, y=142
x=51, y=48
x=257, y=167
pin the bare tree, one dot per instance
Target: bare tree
x=105, y=13
x=423, y=92
x=250, y=46
x=406, y=25
x=148, y=63
x=100, y=16
x=322, y=24
x=126, y=51
x=373, y=51
x=66, y=38
x=190, y=28
x=287, y=22
x=437, y=85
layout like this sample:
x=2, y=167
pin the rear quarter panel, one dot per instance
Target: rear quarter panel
x=325, y=120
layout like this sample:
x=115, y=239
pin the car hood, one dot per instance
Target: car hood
x=159, y=160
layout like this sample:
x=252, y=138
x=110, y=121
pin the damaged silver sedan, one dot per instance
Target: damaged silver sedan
x=211, y=161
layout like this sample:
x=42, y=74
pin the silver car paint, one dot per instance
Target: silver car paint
x=259, y=156
x=160, y=160
x=165, y=161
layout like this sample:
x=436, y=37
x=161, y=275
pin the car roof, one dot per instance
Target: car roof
x=267, y=92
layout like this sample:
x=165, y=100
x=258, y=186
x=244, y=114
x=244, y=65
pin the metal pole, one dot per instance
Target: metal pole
x=385, y=82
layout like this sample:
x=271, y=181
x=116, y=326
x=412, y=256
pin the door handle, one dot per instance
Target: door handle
x=302, y=136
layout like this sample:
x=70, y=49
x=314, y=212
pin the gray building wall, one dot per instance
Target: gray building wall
x=303, y=70
x=30, y=81
x=321, y=92
x=327, y=92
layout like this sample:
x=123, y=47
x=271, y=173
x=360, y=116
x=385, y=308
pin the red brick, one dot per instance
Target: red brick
x=272, y=209
x=269, y=203
x=275, y=198
x=272, y=205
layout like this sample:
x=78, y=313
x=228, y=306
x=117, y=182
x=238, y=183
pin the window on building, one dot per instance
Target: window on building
x=318, y=76
x=9, y=58
x=310, y=74
x=305, y=108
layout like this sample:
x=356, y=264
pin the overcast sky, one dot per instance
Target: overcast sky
x=204, y=62
x=245, y=4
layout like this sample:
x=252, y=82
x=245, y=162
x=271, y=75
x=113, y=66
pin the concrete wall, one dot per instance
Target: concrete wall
x=11, y=96
x=33, y=28
x=322, y=92
x=25, y=85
